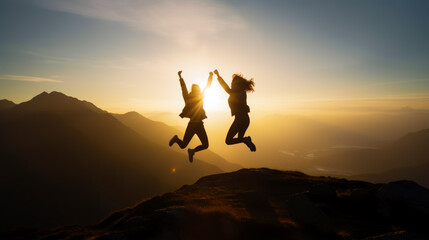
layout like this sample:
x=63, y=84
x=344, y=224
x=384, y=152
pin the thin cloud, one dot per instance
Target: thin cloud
x=116, y=63
x=184, y=21
x=27, y=78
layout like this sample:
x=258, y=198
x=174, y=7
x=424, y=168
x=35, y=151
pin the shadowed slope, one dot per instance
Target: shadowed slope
x=161, y=133
x=65, y=161
x=406, y=157
x=264, y=204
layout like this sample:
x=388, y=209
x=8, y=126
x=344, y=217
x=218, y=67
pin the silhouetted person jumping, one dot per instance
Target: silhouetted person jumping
x=195, y=112
x=238, y=103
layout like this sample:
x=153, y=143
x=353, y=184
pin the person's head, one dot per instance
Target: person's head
x=195, y=89
x=241, y=83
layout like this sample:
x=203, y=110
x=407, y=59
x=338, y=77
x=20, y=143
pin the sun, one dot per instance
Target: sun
x=215, y=98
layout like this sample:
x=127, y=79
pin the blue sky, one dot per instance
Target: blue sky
x=124, y=55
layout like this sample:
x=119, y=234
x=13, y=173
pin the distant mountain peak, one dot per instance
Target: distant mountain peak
x=5, y=104
x=132, y=113
x=53, y=94
x=407, y=109
x=57, y=102
x=416, y=137
x=136, y=116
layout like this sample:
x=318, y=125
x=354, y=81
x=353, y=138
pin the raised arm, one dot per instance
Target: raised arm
x=209, y=82
x=183, y=85
x=222, y=82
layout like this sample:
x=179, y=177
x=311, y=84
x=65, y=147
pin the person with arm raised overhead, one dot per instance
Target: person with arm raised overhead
x=237, y=102
x=195, y=112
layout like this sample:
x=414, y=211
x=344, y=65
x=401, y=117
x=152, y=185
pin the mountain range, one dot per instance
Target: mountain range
x=405, y=158
x=304, y=144
x=65, y=161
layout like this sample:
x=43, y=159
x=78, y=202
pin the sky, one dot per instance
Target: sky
x=303, y=54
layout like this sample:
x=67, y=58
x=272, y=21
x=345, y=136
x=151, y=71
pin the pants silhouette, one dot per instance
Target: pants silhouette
x=239, y=126
x=192, y=129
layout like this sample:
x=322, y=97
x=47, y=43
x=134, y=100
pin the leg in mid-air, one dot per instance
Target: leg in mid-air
x=239, y=127
x=202, y=135
x=247, y=140
x=233, y=130
x=189, y=133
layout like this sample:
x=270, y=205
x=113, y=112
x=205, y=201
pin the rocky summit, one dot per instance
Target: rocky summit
x=264, y=204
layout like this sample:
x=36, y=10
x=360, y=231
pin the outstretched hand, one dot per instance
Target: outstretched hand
x=210, y=74
x=216, y=72
x=180, y=73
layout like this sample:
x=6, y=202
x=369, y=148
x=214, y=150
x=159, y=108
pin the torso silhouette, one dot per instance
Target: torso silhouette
x=238, y=102
x=194, y=108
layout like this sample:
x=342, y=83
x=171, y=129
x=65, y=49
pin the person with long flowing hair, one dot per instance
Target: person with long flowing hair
x=237, y=102
x=195, y=112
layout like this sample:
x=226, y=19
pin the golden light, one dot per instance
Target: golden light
x=215, y=98
x=173, y=170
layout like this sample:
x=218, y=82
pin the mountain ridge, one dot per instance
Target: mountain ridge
x=161, y=133
x=408, y=152
x=264, y=203
x=57, y=101
x=85, y=157
x=6, y=104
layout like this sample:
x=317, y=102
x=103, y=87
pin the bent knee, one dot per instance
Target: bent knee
x=182, y=146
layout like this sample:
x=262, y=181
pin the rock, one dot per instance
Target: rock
x=361, y=195
x=305, y=212
x=403, y=197
x=322, y=191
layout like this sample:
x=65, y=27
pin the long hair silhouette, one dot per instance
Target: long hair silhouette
x=195, y=112
x=237, y=102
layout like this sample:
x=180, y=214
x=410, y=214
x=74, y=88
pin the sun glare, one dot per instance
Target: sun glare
x=215, y=97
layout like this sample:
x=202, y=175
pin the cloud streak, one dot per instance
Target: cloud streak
x=185, y=21
x=27, y=78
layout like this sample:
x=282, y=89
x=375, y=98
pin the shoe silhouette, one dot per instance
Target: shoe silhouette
x=191, y=155
x=249, y=144
x=173, y=140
